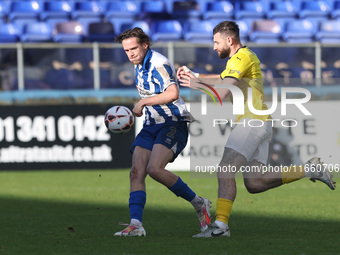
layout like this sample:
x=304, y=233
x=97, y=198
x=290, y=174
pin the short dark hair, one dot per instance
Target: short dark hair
x=134, y=32
x=228, y=28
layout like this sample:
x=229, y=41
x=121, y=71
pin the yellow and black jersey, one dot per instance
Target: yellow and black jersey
x=245, y=67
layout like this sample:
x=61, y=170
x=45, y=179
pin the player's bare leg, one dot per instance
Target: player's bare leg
x=137, y=199
x=256, y=180
x=232, y=161
x=140, y=160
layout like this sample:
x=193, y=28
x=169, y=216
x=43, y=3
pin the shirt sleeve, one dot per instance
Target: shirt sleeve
x=165, y=76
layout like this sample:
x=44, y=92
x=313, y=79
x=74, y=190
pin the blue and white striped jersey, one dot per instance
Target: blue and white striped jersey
x=153, y=77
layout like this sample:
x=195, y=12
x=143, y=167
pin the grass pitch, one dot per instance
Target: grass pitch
x=77, y=212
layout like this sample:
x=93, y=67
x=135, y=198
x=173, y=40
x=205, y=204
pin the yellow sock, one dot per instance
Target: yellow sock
x=223, y=209
x=292, y=173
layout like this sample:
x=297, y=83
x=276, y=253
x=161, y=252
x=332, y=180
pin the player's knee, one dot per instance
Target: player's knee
x=137, y=173
x=152, y=171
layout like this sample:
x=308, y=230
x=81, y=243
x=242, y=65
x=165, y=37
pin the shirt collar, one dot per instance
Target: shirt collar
x=146, y=62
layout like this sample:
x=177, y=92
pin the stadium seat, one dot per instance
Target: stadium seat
x=186, y=11
x=314, y=10
x=53, y=21
x=87, y=9
x=20, y=23
x=249, y=10
x=69, y=32
x=36, y=32
x=198, y=31
x=335, y=12
x=101, y=32
x=299, y=31
x=85, y=21
x=166, y=30
x=329, y=32
x=265, y=31
x=121, y=12
x=3, y=10
x=153, y=10
x=9, y=33
x=56, y=10
x=121, y=9
x=141, y=24
x=24, y=10
x=218, y=10
x=244, y=30
x=283, y=9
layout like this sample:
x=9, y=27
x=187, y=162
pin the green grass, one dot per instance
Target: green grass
x=39, y=210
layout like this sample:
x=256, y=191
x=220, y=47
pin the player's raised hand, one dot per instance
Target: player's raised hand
x=184, y=74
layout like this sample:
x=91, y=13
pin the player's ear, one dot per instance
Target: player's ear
x=229, y=40
x=145, y=46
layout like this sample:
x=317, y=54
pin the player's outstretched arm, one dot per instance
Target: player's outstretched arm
x=203, y=82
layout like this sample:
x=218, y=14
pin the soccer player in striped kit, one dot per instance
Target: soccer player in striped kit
x=164, y=134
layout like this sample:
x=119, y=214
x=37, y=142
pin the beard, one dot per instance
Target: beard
x=224, y=53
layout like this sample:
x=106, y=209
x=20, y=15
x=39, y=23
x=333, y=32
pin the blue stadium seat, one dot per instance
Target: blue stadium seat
x=36, y=32
x=69, y=32
x=249, y=10
x=53, y=21
x=265, y=31
x=24, y=10
x=153, y=10
x=3, y=10
x=141, y=24
x=166, y=30
x=219, y=10
x=87, y=9
x=8, y=33
x=283, y=9
x=314, y=10
x=299, y=31
x=329, y=32
x=20, y=23
x=335, y=12
x=244, y=30
x=170, y=4
x=186, y=11
x=121, y=12
x=56, y=10
x=121, y=9
x=198, y=31
x=101, y=32
x=119, y=23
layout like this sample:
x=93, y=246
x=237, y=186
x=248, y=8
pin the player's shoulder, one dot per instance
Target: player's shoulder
x=158, y=59
x=246, y=54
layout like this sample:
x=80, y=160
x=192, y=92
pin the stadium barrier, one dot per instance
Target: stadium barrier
x=53, y=66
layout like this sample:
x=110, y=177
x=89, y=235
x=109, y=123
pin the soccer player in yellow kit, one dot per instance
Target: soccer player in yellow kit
x=247, y=145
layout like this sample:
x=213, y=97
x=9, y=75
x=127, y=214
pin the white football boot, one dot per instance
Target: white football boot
x=319, y=172
x=213, y=231
x=132, y=230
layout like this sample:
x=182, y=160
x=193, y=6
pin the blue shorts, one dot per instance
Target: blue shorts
x=172, y=134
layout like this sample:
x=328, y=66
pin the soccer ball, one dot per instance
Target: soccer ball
x=119, y=119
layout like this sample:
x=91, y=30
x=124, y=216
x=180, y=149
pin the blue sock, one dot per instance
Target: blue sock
x=137, y=202
x=181, y=189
